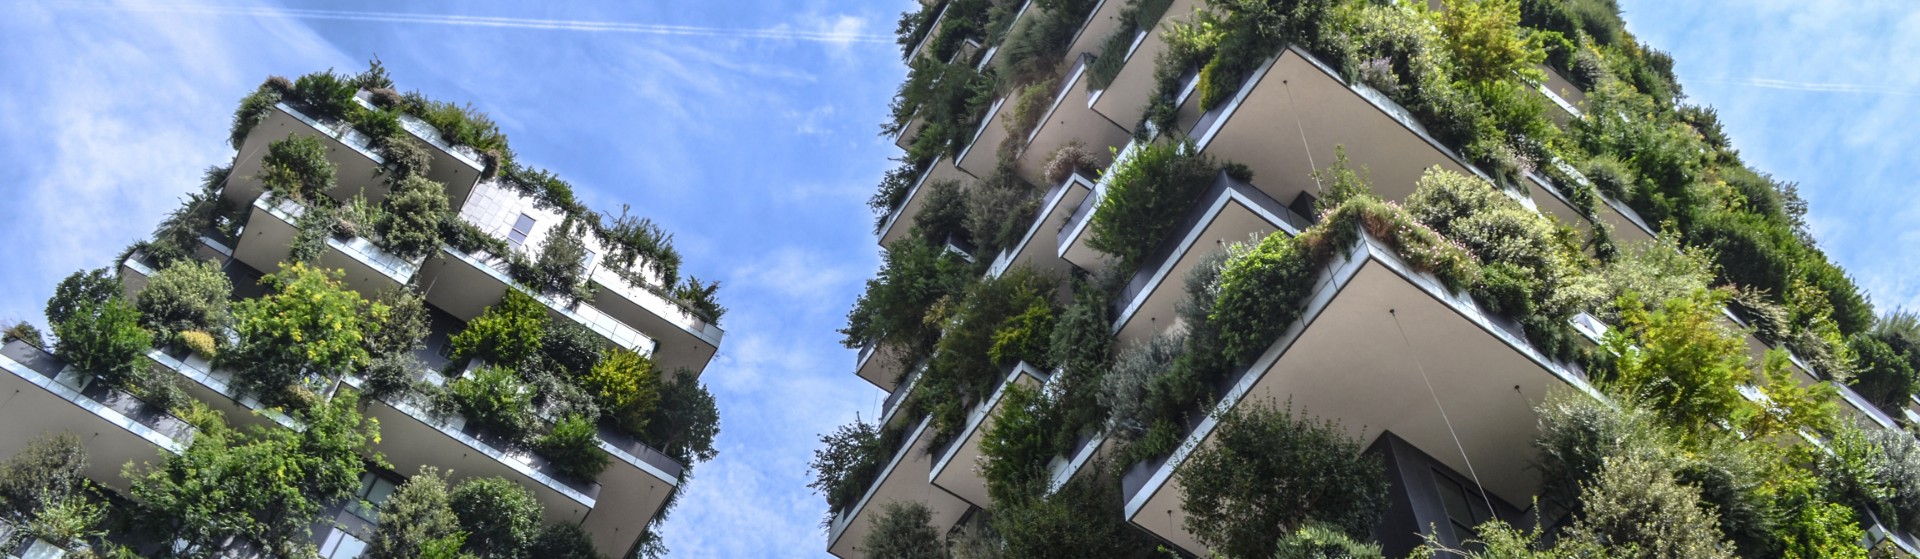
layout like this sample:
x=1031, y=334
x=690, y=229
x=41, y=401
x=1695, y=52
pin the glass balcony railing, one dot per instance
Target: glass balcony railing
x=360, y=249
x=114, y=406
x=585, y=314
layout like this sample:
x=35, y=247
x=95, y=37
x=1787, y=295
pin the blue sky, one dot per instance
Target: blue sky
x=754, y=141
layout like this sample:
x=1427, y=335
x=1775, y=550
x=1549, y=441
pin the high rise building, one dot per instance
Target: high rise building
x=1128, y=224
x=419, y=213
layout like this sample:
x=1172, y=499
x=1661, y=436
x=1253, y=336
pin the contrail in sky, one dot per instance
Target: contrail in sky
x=1815, y=86
x=774, y=33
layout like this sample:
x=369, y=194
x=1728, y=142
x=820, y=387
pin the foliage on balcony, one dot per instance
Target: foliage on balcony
x=994, y=325
x=892, y=311
x=48, y=471
x=297, y=168
x=266, y=487
x=96, y=331
x=1270, y=471
x=308, y=325
x=1035, y=46
x=904, y=531
x=502, y=519
x=849, y=462
x=1112, y=57
x=573, y=444
x=507, y=333
x=411, y=225
x=188, y=296
x=914, y=26
x=626, y=385
x=1147, y=195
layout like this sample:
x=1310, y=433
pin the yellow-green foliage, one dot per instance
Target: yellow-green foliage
x=626, y=386
x=1679, y=361
x=199, y=342
x=507, y=333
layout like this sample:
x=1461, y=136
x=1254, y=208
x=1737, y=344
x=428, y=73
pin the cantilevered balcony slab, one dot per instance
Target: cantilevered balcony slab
x=1039, y=249
x=47, y=397
x=1073, y=237
x=892, y=410
x=879, y=364
x=958, y=470
x=982, y=153
x=1069, y=119
x=933, y=28
x=1563, y=95
x=358, y=166
x=464, y=285
x=1101, y=21
x=904, y=479
x=457, y=168
x=1627, y=225
x=904, y=138
x=1347, y=360
x=1295, y=92
x=268, y=242
x=1229, y=212
x=1125, y=100
x=686, y=340
x=215, y=387
x=901, y=220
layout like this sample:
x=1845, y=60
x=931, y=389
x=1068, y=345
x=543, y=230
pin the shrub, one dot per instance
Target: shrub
x=1069, y=159
x=105, y=341
x=406, y=325
x=1000, y=209
x=558, y=268
x=495, y=399
x=630, y=239
x=410, y=228
x=1486, y=44
x=1126, y=389
x=1082, y=348
x=1634, y=502
x=574, y=447
x=846, y=463
x=48, y=470
x=1656, y=271
x=962, y=370
x=392, y=377
x=324, y=95
x=1014, y=450
x=572, y=346
x=1085, y=518
x=1313, y=541
x=507, y=333
x=1679, y=361
x=297, y=168
x=189, y=295
x=893, y=309
x=1146, y=195
x=563, y=541
x=686, y=421
x=199, y=342
x=626, y=386
x=253, y=110
x=501, y=518
x=1268, y=468
x=904, y=531
x=79, y=293
x=307, y=323
x=417, y=513
x=1886, y=377
x=699, y=296
x=1260, y=293
x=25, y=332
x=944, y=216
x=407, y=157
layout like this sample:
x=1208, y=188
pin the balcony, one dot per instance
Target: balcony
x=1565, y=101
x=903, y=479
x=890, y=409
x=1125, y=100
x=116, y=428
x=464, y=285
x=900, y=221
x=1034, y=251
x=1229, y=212
x=1070, y=118
x=1073, y=236
x=359, y=168
x=1101, y=21
x=214, y=387
x=880, y=365
x=267, y=242
x=982, y=152
x=685, y=340
x=614, y=509
x=458, y=168
x=1345, y=360
x=1626, y=224
x=958, y=471
x=904, y=138
x=933, y=28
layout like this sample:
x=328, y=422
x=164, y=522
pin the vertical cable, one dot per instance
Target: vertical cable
x=1443, y=411
x=1295, y=111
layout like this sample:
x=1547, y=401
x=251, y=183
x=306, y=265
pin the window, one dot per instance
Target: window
x=341, y=545
x=443, y=350
x=587, y=262
x=521, y=228
x=373, y=491
x=1465, y=509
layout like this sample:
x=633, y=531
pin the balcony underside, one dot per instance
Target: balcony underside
x=685, y=341
x=1125, y=100
x=1039, y=250
x=901, y=221
x=268, y=240
x=1069, y=119
x=464, y=286
x=903, y=480
x=114, y=430
x=357, y=167
x=1346, y=360
x=982, y=153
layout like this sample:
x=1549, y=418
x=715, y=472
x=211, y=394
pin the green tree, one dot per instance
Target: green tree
x=189, y=295
x=845, y=462
x=686, y=422
x=1146, y=197
x=626, y=386
x=563, y=541
x=893, y=310
x=501, y=518
x=25, y=332
x=104, y=340
x=573, y=346
x=81, y=290
x=573, y=446
x=308, y=323
x=297, y=168
x=1486, y=43
x=406, y=325
x=410, y=228
x=1017, y=445
x=1679, y=361
x=1635, y=506
x=495, y=399
x=1313, y=541
x=507, y=333
x=1268, y=472
x=267, y=486
x=904, y=531
x=49, y=470
x=413, y=517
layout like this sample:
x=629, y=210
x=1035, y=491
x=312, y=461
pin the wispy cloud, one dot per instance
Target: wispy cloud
x=1812, y=86
x=840, y=33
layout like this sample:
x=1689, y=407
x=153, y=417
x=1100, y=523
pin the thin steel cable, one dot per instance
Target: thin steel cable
x=1404, y=340
x=1295, y=111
